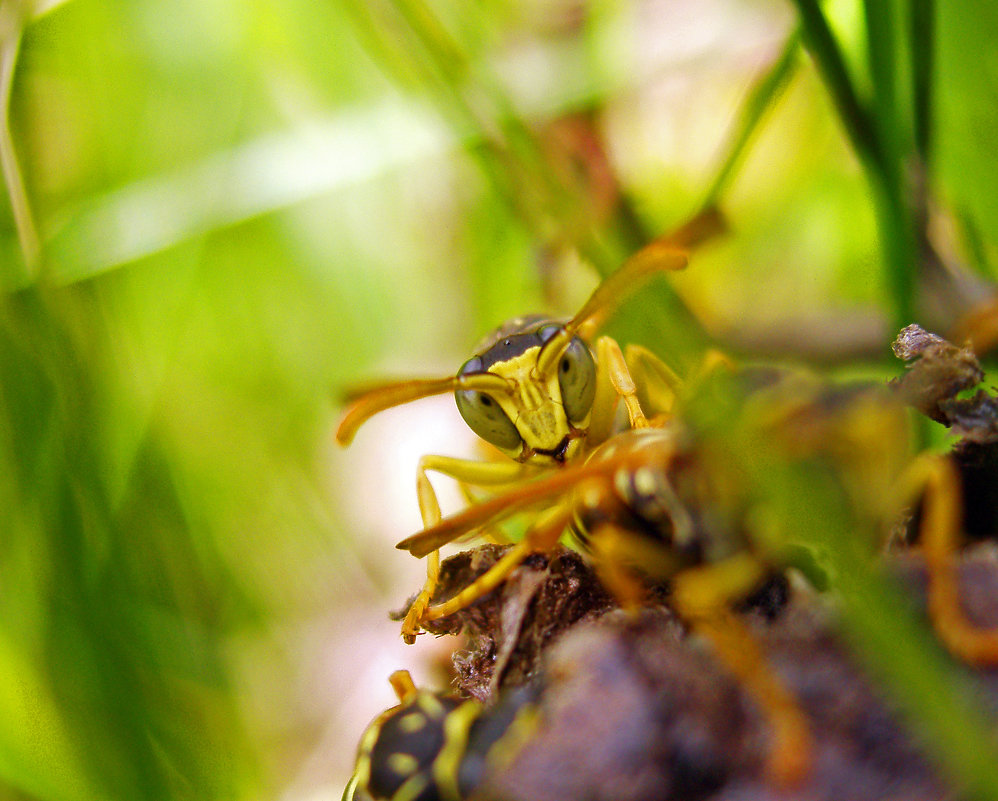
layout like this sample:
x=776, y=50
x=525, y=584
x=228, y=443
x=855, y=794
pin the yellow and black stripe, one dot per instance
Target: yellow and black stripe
x=433, y=747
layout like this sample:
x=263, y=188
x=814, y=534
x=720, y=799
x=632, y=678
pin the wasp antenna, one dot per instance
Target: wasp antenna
x=661, y=255
x=708, y=223
x=385, y=397
x=554, y=348
x=654, y=258
x=484, y=382
x=667, y=253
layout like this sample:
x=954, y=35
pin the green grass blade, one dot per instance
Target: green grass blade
x=882, y=56
x=856, y=118
x=922, y=26
x=760, y=100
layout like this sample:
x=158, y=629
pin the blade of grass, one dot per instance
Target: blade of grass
x=905, y=248
x=761, y=99
x=882, y=57
x=548, y=201
x=506, y=148
x=921, y=30
x=11, y=28
x=131, y=660
x=892, y=204
x=975, y=243
x=258, y=177
x=855, y=117
x=405, y=55
x=922, y=682
x=922, y=22
x=900, y=246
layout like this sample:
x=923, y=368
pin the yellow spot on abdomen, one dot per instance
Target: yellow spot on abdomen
x=403, y=764
x=412, y=722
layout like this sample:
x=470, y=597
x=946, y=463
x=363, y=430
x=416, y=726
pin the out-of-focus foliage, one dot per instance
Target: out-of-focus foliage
x=222, y=213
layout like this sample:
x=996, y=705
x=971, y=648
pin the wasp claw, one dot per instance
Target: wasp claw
x=412, y=625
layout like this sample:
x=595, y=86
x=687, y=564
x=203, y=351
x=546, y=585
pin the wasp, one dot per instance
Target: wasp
x=720, y=496
x=435, y=747
x=544, y=392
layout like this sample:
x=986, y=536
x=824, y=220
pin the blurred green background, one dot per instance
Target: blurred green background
x=221, y=215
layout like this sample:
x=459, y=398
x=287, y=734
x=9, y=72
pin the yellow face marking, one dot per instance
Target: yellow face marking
x=534, y=405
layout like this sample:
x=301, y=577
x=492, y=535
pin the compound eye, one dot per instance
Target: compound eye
x=486, y=418
x=577, y=379
x=483, y=414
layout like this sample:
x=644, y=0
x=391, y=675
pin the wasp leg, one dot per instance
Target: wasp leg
x=700, y=596
x=540, y=537
x=464, y=471
x=713, y=360
x=611, y=360
x=605, y=544
x=658, y=385
x=417, y=611
x=519, y=498
x=616, y=553
x=602, y=422
x=939, y=537
x=608, y=545
x=487, y=532
x=475, y=473
x=470, y=474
